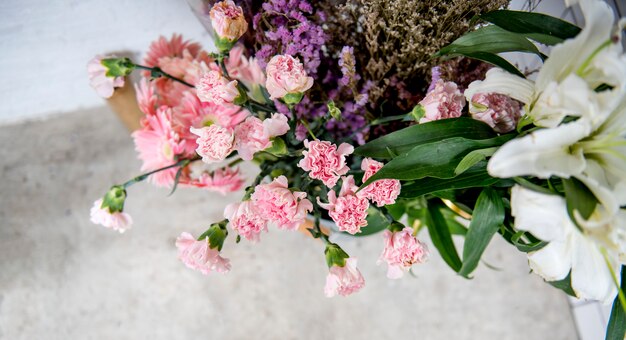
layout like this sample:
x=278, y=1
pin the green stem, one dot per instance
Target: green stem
x=318, y=230
x=620, y=293
x=145, y=175
x=306, y=125
x=157, y=72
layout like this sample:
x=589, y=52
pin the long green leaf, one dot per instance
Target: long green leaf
x=616, y=330
x=578, y=197
x=476, y=176
x=376, y=222
x=496, y=60
x=472, y=158
x=436, y=159
x=441, y=237
x=539, y=27
x=487, y=216
x=491, y=39
x=564, y=285
x=404, y=140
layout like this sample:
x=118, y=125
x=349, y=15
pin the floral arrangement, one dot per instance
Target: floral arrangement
x=394, y=117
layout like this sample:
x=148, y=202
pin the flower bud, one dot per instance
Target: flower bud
x=106, y=74
x=114, y=199
x=333, y=110
x=229, y=24
x=216, y=235
x=335, y=256
x=287, y=79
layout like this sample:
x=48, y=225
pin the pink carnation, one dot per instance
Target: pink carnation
x=444, y=101
x=215, y=88
x=254, y=135
x=228, y=20
x=247, y=70
x=279, y=205
x=119, y=221
x=497, y=110
x=381, y=192
x=103, y=84
x=286, y=74
x=215, y=143
x=402, y=250
x=223, y=180
x=325, y=161
x=348, y=211
x=199, y=256
x=245, y=220
x=344, y=280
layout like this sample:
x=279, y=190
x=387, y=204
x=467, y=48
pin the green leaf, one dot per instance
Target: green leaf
x=490, y=39
x=496, y=60
x=578, y=197
x=616, y=330
x=455, y=227
x=476, y=176
x=376, y=222
x=437, y=159
x=404, y=140
x=487, y=216
x=564, y=285
x=177, y=177
x=472, y=158
x=524, y=246
x=441, y=237
x=539, y=27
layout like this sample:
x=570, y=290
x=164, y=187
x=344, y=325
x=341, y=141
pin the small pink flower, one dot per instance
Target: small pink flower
x=497, y=110
x=223, y=180
x=119, y=221
x=254, y=135
x=250, y=138
x=215, y=88
x=215, y=143
x=199, y=256
x=245, y=220
x=344, y=280
x=228, y=20
x=325, y=161
x=402, y=250
x=286, y=74
x=348, y=211
x=98, y=79
x=444, y=101
x=247, y=70
x=381, y=192
x=279, y=205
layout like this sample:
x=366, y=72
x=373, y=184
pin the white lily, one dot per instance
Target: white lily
x=569, y=250
x=592, y=152
x=565, y=83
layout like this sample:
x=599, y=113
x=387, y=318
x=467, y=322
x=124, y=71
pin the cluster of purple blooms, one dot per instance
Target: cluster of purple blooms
x=295, y=28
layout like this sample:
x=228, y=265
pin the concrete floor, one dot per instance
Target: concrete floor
x=63, y=278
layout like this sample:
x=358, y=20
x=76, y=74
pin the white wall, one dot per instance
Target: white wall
x=45, y=45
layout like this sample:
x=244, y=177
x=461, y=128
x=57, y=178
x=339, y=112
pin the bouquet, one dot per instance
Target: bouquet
x=370, y=117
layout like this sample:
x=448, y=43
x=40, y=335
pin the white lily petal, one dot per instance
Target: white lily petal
x=552, y=262
x=591, y=278
x=604, y=195
x=572, y=97
x=545, y=216
x=568, y=56
x=543, y=153
x=502, y=82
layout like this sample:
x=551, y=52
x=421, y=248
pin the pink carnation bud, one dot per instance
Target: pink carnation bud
x=228, y=20
x=444, y=101
x=215, y=88
x=215, y=143
x=119, y=221
x=275, y=126
x=349, y=210
x=344, y=280
x=381, y=192
x=402, y=250
x=279, y=205
x=325, y=161
x=499, y=111
x=198, y=255
x=245, y=220
x=286, y=75
x=98, y=79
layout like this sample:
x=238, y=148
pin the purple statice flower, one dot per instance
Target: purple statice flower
x=348, y=66
x=436, y=75
x=290, y=27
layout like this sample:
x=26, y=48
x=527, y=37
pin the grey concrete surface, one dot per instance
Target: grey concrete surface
x=63, y=278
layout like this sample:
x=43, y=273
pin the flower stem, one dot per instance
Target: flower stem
x=306, y=125
x=620, y=292
x=156, y=72
x=142, y=177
